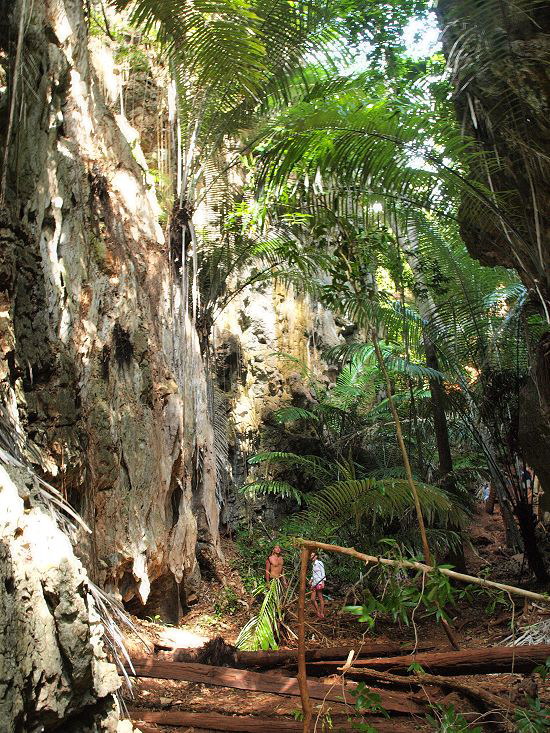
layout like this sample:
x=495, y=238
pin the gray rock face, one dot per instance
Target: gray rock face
x=52, y=664
x=264, y=340
x=97, y=358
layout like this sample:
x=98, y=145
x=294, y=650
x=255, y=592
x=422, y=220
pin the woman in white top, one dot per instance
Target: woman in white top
x=317, y=584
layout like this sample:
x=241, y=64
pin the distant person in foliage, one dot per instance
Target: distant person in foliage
x=274, y=565
x=317, y=584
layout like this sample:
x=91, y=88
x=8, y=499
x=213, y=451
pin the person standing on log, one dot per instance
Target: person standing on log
x=274, y=565
x=317, y=584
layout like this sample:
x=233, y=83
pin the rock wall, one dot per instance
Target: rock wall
x=500, y=68
x=264, y=342
x=97, y=359
x=53, y=669
x=500, y=54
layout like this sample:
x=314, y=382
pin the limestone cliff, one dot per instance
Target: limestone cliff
x=98, y=362
x=265, y=341
x=53, y=668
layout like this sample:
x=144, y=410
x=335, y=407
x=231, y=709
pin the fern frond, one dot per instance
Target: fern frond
x=383, y=499
x=280, y=489
x=312, y=465
x=290, y=414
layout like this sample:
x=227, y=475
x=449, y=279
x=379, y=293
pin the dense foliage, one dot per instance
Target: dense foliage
x=351, y=187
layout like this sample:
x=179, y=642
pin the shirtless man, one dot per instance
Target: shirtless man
x=274, y=565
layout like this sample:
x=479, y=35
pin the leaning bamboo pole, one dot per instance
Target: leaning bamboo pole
x=302, y=673
x=408, y=472
x=462, y=577
x=403, y=449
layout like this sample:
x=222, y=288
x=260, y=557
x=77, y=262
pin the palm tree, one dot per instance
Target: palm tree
x=226, y=59
x=358, y=151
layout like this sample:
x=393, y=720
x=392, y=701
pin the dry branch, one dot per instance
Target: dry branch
x=462, y=577
x=484, y=700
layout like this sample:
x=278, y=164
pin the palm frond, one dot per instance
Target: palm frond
x=261, y=632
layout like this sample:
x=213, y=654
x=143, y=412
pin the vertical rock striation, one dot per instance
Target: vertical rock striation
x=264, y=341
x=100, y=365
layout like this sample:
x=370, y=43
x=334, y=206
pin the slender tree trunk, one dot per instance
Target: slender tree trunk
x=404, y=454
x=441, y=430
x=302, y=673
x=527, y=523
x=408, y=472
x=418, y=436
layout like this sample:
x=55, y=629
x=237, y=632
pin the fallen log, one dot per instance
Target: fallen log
x=270, y=659
x=283, y=656
x=262, y=682
x=245, y=724
x=484, y=700
x=467, y=661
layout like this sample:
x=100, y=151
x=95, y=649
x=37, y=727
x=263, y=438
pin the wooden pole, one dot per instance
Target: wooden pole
x=302, y=674
x=461, y=577
x=404, y=454
x=408, y=472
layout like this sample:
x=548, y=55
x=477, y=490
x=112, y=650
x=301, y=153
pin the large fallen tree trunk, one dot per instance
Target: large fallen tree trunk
x=467, y=661
x=213, y=721
x=280, y=657
x=263, y=682
x=362, y=650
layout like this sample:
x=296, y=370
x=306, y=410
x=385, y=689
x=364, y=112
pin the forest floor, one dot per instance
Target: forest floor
x=473, y=626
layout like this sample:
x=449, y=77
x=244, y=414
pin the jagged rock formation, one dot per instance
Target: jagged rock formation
x=98, y=361
x=502, y=81
x=53, y=668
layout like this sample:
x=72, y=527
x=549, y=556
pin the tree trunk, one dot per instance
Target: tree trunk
x=491, y=660
x=512, y=535
x=439, y=418
x=276, y=684
x=441, y=430
x=527, y=523
x=491, y=500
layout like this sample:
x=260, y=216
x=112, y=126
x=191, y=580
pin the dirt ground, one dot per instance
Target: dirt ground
x=474, y=628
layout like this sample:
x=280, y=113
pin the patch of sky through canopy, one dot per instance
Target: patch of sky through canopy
x=421, y=39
